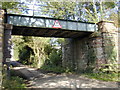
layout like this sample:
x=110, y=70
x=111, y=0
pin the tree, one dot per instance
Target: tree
x=31, y=50
x=81, y=11
x=115, y=17
x=61, y=10
x=37, y=44
x=8, y=5
x=98, y=11
x=14, y=7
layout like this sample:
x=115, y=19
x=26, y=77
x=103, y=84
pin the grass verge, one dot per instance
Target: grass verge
x=55, y=69
x=14, y=83
x=104, y=76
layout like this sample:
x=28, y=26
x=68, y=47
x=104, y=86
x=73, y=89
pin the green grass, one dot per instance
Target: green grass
x=55, y=69
x=99, y=76
x=14, y=83
x=103, y=76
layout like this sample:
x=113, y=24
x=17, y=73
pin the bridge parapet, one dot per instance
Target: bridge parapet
x=29, y=21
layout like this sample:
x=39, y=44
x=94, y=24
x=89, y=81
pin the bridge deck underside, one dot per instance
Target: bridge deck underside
x=48, y=32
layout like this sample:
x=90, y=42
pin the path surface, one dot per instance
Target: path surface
x=40, y=79
x=68, y=81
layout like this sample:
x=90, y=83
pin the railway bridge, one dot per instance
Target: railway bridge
x=89, y=45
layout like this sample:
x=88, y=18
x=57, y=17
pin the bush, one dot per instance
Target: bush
x=55, y=58
x=54, y=69
x=14, y=83
x=24, y=55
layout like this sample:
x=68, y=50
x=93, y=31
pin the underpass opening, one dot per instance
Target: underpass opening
x=43, y=27
x=40, y=52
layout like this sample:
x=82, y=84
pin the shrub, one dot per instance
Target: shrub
x=54, y=69
x=55, y=58
x=14, y=83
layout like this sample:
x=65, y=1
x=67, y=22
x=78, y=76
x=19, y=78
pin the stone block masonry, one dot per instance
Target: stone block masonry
x=93, y=51
x=1, y=52
x=67, y=54
x=109, y=34
x=1, y=43
x=5, y=42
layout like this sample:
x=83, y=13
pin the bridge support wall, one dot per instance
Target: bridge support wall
x=1, y=52
x=7, y=43
x=94, y=51
x=1, y=43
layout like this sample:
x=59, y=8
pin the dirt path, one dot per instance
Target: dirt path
x=40, y=79
x=68, y=81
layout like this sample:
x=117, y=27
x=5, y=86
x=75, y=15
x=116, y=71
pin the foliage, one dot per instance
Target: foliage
x=98, y=11
x=114, y=17
x=38, y=44
x=24, y=55
x=103, y=76
x=52, y=68
x=38, y=51
x=83, y=11
x=48, y=49
x=7, y=5
x=54, y=61
x=23, y=51
x=55, y=57
x=110, y=68
x=31, y=49
x=14, y=83
x=61, y=10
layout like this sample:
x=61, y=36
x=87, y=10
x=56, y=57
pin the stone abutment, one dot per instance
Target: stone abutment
x=93, y=52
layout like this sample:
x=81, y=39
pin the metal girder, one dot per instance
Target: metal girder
x=42, y=26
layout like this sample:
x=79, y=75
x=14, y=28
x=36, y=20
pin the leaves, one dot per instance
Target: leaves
x=9, y=5
x=98, y=11
x=61, y=10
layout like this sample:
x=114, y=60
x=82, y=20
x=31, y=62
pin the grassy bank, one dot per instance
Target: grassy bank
x=13, y=83
x=104, y=76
